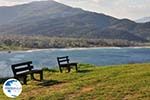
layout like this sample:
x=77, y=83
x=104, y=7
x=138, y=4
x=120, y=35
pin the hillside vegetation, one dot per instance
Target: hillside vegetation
x=50, y=18
x=20, y=42
x=121, y=82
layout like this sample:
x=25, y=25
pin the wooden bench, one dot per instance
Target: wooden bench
x=63, y=62
x=21, y=70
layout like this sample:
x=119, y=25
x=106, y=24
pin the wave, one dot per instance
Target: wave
x=33, y=50
x=72, y=49
x=88, y=48
x=138, y=47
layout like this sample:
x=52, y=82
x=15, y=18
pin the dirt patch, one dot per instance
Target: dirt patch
x=86, y=89
x=43, y=90
x=79, y=92
x=58, y=86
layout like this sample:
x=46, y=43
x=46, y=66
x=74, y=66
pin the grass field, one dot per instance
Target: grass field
x=121, y=82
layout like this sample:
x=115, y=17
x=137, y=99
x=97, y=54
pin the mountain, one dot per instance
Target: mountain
x=53, y=19
x=143, y=20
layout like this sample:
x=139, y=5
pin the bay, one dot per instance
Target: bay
x=97, y=56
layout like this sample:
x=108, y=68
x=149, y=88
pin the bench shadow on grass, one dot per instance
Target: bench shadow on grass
x=49, y=82
x=84, y=71
x=2, y=80
x=55, y=82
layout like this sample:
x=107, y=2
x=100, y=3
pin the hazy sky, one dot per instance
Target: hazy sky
x=132, y=9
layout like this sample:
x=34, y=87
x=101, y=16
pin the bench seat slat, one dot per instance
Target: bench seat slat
x=63, y=57
x=21, y=64
x=65, y=60
x=23, y=74
x=22, y=69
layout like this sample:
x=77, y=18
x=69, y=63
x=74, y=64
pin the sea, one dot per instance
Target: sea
x=100, y=56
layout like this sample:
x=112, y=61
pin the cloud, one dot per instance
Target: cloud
x=132, y=9
x=14, y=2
x=18, y=0
x=11, y=1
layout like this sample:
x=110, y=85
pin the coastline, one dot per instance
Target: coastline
x=70, y=48
x=66, y=49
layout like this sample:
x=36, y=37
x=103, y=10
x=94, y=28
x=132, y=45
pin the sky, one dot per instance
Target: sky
x=131, y=9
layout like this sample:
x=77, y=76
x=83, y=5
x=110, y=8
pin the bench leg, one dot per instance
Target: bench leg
x=68, y=69
x=41, y=75
x=60, y=69
x=32, y=76
x=25, y=80
x=76, y=68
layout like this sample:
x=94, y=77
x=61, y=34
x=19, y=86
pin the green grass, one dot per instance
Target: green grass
x=121, y=82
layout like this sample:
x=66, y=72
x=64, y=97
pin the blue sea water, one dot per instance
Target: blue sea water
x=96, y=56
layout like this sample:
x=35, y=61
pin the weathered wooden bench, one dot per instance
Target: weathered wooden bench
x=21, y=70
x=63, y=62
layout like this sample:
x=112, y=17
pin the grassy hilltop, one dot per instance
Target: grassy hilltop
x=121, y=82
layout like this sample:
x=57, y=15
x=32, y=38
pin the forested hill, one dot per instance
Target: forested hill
x=50, y=18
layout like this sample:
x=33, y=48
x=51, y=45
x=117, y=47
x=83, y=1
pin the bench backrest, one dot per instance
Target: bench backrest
x=63, y=60
x=21, y=68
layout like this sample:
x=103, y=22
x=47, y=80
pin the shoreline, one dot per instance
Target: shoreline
x=71, y=48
